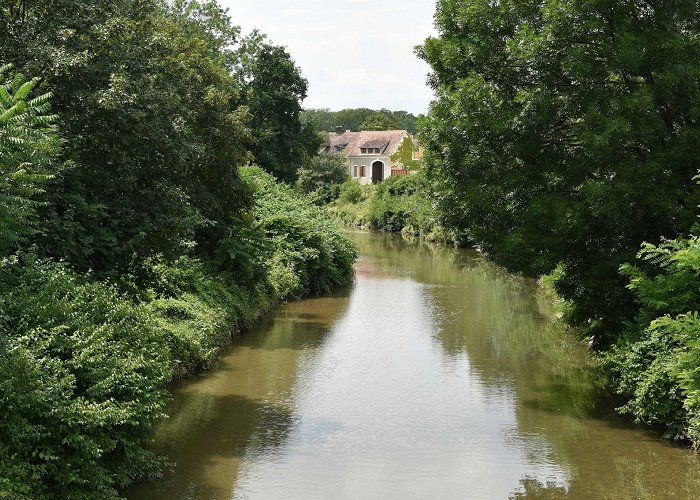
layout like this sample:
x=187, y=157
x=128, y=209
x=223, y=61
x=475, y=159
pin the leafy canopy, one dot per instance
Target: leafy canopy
x=351, y=119
x=566, y=132
x=274, y=89
x=656, y=363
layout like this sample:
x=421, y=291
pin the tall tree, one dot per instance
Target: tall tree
x=152, y=119
x=566, y=132
x=274, y=90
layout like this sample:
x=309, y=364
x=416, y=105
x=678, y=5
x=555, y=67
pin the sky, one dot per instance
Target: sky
x=354, y=53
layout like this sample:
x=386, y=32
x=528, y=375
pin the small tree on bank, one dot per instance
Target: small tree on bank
x=322, y=176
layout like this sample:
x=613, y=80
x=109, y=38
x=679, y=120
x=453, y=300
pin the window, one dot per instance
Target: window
x=354, y=171
x=362, y=171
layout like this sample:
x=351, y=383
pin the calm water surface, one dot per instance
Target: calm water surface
x=436, y=376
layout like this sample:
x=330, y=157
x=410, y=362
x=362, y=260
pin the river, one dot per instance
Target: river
x=435, y=376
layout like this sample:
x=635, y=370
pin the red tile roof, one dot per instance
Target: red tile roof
x=351, y=142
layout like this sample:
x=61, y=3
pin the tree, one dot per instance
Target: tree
x=322, y=176
x=379, y=122
x=326, y=120
x=565, y=132
x=274, y=90
x=28, y=144
x=156, y=130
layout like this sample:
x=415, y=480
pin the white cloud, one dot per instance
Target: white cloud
x=355, y=53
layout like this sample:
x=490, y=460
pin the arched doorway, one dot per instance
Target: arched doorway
x=377, y=172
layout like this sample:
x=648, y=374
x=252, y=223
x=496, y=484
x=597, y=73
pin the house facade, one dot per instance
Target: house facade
x=369, y=152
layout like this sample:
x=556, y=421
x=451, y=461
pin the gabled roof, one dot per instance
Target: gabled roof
x=350, y=143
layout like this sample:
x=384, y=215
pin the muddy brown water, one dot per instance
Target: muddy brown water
x=435, y=376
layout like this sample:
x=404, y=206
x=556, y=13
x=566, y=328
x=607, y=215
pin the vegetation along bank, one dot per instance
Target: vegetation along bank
x=134, y=238
x=563, y=140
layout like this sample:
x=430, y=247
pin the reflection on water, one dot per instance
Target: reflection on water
x=436, y=376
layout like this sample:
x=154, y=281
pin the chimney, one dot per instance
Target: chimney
x=339, y=130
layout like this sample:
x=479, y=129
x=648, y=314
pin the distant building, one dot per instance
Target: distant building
x=369, y=152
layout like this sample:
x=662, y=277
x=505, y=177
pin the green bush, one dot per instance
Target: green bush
x=83, y=366
x=399, y=204
x=351, y=191
x=309, y=253
x=656, y=364
x=81, y=376
x=321, y=177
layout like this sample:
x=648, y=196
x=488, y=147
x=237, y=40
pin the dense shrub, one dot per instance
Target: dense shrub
x=308, y=252
x=81, y=376
x=387, y=208
x=82, y=365
x=399, y=204
x=321, y=177
x=351, y=191
x=160, y=253
x=656, y=364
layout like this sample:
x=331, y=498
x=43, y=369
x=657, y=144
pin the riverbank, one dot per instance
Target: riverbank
x=85, y=362
x=437, y=374
x=650, y=365
x=397, y=205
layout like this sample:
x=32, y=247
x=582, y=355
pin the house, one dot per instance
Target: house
x=370, y=152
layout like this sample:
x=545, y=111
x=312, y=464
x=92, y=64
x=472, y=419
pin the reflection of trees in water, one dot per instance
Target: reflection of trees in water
x=206, y=441
x=532, y=488
x=496, y=318
x=628, y=478
x=510, y=336
x=241, y=409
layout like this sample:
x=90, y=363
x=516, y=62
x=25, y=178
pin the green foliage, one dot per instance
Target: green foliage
x=27, y=145
x=657, y=363
x=325, y=120
x=566, y=132
x=143, y=182
x=274, y=89
x=321, y=177
x=308, y=252
x=657, y=370
x=399, y=204
x=387, y=209
x=404, y=155
x=82, y=366
x=81, y=371
x=351, y=191
x=150, y=252
x=379, y=122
